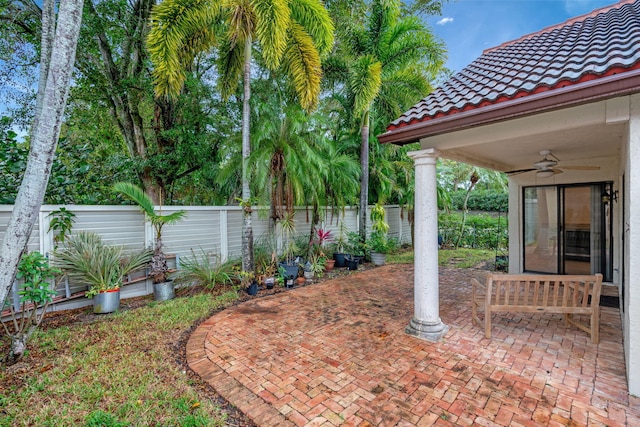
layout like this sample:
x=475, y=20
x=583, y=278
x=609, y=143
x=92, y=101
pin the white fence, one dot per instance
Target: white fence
x=213, y=229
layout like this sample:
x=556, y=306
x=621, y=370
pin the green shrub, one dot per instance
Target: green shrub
x=480, y=200
x=480, y=231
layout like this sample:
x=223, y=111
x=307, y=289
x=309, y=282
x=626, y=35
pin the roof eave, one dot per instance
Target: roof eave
x=581, y=93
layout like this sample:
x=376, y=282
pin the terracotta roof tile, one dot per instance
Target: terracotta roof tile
x=600, y=44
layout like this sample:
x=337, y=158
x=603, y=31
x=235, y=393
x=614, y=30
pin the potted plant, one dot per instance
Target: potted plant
x=87, y=259
x=267, y=272
x=163, y=288
x=248, y=282
x=308, y=271
x=318, y=264
x=357, y=248
x=323, y=237
x=340, y=244
x=379, y=241
x=287, y=228
x=380, y=247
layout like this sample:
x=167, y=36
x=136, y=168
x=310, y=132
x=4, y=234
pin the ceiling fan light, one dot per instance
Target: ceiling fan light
x=545, y=173
x=545, y=164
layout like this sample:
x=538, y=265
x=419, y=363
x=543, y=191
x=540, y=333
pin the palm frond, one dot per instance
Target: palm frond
x=177, y=26
x=137, y=195
x=315, y=19
x=364, y=81
x=303, y=65
x=241, y=21
x=230, y=66
x=272, y=22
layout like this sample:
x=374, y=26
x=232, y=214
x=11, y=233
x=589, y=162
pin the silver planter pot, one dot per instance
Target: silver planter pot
x=378, y=258
x=106, y=302
x=164, y=291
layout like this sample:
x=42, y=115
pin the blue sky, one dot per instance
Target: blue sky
x=469, y=26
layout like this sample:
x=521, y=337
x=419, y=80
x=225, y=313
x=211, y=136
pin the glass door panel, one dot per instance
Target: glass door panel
x=541, y=229
x=577, y=230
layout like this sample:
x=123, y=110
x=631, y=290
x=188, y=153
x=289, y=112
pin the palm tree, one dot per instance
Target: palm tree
x=290, y=33
x=295, y=161
x=389, y=62
x=159, y=267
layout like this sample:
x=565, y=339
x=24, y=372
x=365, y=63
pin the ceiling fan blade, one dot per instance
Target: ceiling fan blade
x=519, y=171
x=581, y=168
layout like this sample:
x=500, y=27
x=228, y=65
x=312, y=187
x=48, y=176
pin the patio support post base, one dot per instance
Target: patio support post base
x=426, y=330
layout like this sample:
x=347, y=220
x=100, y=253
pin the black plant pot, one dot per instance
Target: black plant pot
x=352, y=263
x=340, y=260
x=253, y=288
x=291, y=270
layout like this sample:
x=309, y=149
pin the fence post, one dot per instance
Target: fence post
x=45, y=236
x=149, y=235
x=224, y=236
x=16, y=297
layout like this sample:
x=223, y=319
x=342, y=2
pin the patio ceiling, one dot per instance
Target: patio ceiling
x=577, y=136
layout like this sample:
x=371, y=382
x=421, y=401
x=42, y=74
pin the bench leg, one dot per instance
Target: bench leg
x=487, y=323
x=595, y=325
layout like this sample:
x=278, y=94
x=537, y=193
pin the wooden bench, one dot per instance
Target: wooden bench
x=536, y=293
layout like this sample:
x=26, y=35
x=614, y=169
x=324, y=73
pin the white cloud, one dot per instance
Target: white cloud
x=444, y=21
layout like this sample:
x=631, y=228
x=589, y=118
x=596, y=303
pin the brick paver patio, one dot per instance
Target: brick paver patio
x=335, y=354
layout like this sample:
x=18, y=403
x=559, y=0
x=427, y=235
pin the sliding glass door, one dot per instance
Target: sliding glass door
x=567, y=229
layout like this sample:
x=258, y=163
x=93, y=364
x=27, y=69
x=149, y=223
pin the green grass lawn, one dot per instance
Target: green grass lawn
x=119, y=370
x=459, y=258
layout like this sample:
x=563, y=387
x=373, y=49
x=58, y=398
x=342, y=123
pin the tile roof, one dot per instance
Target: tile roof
x=603, y=43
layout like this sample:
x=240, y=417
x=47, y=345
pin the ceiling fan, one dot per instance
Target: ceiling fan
x=548, y=166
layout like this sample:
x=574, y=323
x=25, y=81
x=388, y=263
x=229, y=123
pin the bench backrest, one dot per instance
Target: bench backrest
x=537, y=290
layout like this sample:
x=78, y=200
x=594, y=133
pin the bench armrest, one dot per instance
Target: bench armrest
x=477, y=286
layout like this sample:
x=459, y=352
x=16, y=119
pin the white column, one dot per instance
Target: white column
x=632, y=246
x=426, y=323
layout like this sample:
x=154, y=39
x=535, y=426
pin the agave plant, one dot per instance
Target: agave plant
x=88, y=259
x=159, y=267
x=204, y=269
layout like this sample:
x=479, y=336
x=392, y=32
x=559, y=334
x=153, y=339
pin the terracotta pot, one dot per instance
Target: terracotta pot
x=300, y=280
x=330, y=264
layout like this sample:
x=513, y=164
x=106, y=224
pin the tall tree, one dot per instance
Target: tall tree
x=112, y=80
x=294, y=33
x=59, y=61
x=387, y=61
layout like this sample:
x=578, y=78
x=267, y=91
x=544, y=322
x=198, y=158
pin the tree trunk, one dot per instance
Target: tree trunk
x=247, y=230
x=17, y=349
x=474, y=180
x=46, y=44
x=19, y=343
x=364, y=179
x=122, y=95
x=43, y=143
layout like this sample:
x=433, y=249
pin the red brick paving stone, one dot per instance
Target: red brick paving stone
x=336, y=353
